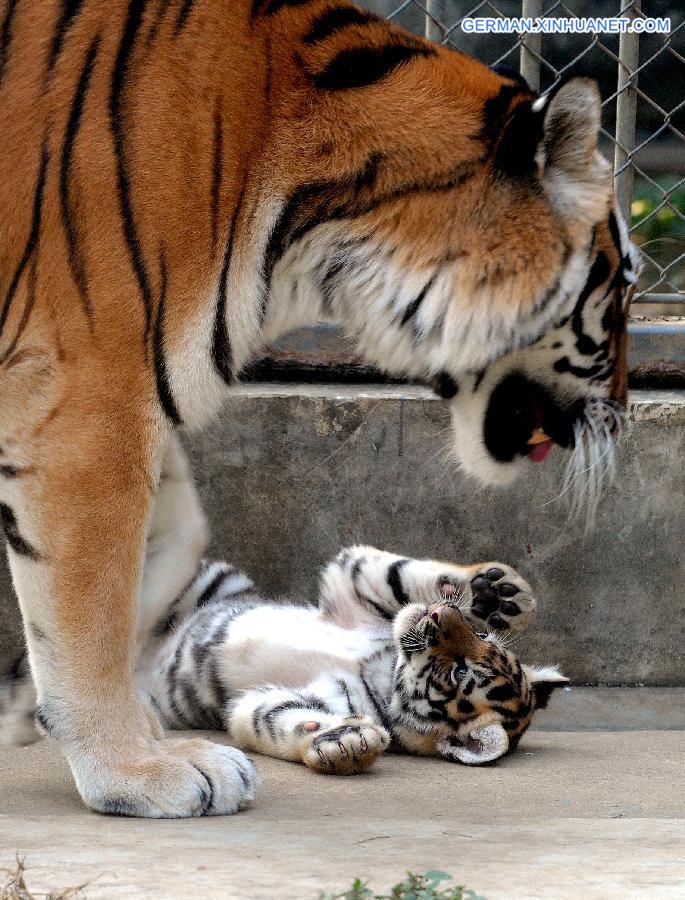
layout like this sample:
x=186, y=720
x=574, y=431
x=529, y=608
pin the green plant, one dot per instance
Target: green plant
x=429, y=886
x=666, y=222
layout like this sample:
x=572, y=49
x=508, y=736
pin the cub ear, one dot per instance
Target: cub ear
x=483, y=745
x=572, y=115
x=543, y=681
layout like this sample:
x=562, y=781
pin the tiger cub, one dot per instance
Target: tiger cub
x=399, y=652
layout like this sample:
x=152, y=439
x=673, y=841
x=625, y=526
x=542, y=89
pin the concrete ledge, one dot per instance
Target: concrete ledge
x=291, y=473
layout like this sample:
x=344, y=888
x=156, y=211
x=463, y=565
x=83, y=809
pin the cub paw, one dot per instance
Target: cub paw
x=182, y=778
x=347, y=748
x=500, y=598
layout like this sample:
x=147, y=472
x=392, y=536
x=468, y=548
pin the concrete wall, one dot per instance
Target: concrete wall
x=292, y=473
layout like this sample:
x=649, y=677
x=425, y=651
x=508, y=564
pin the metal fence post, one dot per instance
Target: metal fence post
x=529, y=62
x=626, y=109
x=435, y=9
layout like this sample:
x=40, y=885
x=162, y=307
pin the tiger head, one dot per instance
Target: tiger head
x=460, y=694
x=462, y=229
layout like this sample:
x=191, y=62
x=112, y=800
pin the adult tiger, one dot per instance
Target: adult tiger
x=184, y=179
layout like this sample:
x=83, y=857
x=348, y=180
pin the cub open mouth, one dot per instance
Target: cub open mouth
x=524, y=419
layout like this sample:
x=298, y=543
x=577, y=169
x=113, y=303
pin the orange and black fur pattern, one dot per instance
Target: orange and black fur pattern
x=184, y=180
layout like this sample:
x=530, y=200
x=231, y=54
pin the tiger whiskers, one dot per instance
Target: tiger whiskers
x=413, y=641
x=592, y=464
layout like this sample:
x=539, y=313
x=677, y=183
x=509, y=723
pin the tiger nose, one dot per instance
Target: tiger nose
x=437, y=614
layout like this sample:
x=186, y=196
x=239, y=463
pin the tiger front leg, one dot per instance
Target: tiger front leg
x=311, y=726
x=76, y=518
x=365, y=584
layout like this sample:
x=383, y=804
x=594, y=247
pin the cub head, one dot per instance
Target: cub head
x=462, y=229
x=459, y=694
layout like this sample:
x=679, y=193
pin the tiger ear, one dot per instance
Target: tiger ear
x=483, y=745
x=559, y=129
x=572, y=115
x=543, y=681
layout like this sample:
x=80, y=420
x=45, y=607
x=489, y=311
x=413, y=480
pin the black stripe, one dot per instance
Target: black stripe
x=335, y=19
x=19, y=544
x=395, y=582
x=444, y=386
x=221, y=344
x=45, y=720
x=184, y=13
x=28, y=307
x=599, y=273
x=68, y=13
x=615, y=234
x=217, y=170
x=6, y=35
x=256, y=715
x=565, y=365
x=413, y=307
x=221, y=696
x=193, y=704
x=134, y=17
x=269, y=7
x=201, y=653
x=315, y=703
x=507, y=72
x=9, y=471
x=69, y=217
x=157, y=24
x=277, y=710
x=328, y=281
x=349, y=197
x=166, y=398
x=172, y=685
x=377, y=705
x=32, y=240
x=209, y=592
x=502, y=692
x=364, y=66
x=166, y=624
x=495, y=111
x=311, y=205
x=342, y=684
x=363, y=598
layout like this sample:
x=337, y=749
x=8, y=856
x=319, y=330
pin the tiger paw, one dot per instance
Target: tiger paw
x=500, y=598
x=347, y=748
x=182, y=777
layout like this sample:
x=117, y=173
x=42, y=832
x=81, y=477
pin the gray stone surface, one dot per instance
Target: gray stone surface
x=571, y=814
x=290, y=474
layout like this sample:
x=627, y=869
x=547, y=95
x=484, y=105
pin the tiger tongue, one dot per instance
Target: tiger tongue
x=538, y=452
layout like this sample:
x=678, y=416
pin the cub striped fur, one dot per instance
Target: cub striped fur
x=398, y=652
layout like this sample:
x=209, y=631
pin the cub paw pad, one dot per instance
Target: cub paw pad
x=501, y=598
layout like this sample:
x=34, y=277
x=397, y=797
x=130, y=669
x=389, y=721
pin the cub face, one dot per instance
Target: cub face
x=459, y=694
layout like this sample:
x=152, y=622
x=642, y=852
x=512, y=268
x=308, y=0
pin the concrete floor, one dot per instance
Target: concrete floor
x=596, y=813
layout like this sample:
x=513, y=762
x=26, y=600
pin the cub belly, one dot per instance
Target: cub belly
x=291, y=646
